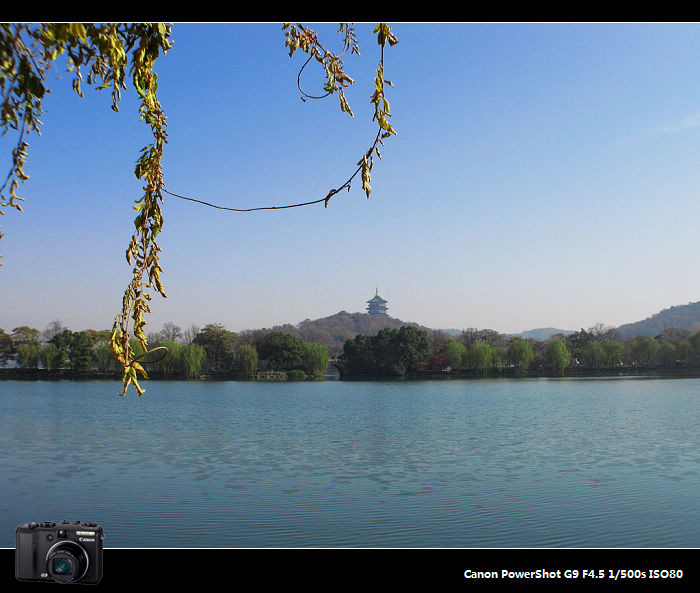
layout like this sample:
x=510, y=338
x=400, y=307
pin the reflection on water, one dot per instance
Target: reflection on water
x=493, y=463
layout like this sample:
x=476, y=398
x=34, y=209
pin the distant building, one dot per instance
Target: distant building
x=377, y=305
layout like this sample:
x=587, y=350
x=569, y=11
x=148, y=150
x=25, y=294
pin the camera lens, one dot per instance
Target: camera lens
x=62, y=566
x=66, y=562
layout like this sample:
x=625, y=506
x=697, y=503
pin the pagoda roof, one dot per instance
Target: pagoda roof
x=377, y=299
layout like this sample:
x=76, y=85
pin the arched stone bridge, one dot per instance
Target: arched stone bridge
x=338, y=364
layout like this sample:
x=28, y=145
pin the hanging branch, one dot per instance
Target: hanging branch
x=299, y=37
x=143, y=249
x=27, y=52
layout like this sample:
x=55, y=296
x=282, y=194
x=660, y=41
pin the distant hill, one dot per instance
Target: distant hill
x=543, y=334
x=334, y=330
x=681, y=316
x=455, y=333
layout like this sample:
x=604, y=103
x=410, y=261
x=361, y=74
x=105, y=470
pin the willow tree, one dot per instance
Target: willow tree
x=108, y=56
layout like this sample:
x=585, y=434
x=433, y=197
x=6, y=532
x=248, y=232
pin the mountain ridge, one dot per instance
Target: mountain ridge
x=333, y=330
x=685, y=317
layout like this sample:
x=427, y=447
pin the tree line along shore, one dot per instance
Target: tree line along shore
x=407, y=351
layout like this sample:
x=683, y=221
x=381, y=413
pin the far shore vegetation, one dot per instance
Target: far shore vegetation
x=391, y=352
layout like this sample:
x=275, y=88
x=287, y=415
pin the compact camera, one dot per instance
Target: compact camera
x=64, y=552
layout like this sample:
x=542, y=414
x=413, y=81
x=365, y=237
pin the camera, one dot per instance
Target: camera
x=64, y=552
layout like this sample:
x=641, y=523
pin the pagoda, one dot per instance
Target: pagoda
x=377, y=305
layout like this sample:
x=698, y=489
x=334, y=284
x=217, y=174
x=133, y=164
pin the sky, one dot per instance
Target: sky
x=542, y=175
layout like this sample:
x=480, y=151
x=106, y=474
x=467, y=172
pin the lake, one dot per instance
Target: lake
x=495, y=463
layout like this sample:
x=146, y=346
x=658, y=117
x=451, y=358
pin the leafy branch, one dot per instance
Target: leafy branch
x=306, y=40
x=27, y=53
x=143, y=249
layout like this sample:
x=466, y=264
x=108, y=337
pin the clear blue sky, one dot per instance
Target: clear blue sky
x=542, y=175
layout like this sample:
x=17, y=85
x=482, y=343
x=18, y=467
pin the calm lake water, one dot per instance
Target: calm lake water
x=476, y=463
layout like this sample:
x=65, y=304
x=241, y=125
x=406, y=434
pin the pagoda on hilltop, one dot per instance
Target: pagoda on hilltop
x=377, y=305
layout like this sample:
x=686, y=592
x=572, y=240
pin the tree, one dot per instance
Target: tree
x=557, y=357
x=666, y=354
x=492, y=337
x=673, y=334
x=102, y=355
x=192, y=356
x=189, y=335
x=247, y=360
x=643, y=349
x=498, y=357
x=602, y=332
x=282, y=350
x=694, y=342
x=359, y=353
x=74, y=350
x=479, y=357
x=437, y=361
x=28, y=355
x=438, y=339
x=315, y=359
x=80, y=352
x=391, y=352
x=469, y=336
x=25, y=335
x=108, y=52
x=594, y=354
x=399, y=351
x=455, y=352
x=386, y=353
x=684, y=350
x=171, y=363
x=520, y=353
x=53, y=328
x=6, y=349
x=412, y=345
x=218, y=343
x=576, y=342
x=614, y=352
x=49, y=356
x=62, y=342
x=170, y=332
x=96, y=336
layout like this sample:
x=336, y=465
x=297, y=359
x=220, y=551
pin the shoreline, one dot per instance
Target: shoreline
x=510, y=373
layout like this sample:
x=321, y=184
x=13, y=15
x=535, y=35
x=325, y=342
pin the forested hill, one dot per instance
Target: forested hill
x=334, y=330
x=682, y=316
x=543, y=333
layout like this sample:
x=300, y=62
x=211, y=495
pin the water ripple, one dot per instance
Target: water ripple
x=565, y=463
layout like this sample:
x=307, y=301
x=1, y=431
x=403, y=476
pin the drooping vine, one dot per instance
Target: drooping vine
x=106, y=53
x=301, y=38
x=143, y=250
